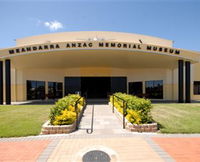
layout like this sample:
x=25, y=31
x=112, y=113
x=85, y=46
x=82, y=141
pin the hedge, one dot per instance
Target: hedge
x=63, y=112
x=138, y=109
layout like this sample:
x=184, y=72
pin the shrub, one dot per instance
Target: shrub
x=66, y=117
x=65, y=108
x=136, y=108
x=133, y=116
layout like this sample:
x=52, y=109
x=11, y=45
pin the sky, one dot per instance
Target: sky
x=177, y=20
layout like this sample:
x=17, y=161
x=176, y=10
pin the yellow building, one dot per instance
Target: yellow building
x=99, y=63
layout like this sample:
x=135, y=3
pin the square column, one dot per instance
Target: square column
x=1, y=82
x=187, y=82
x=8, y=82
x=180, y=81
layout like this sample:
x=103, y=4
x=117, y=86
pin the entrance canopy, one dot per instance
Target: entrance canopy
x=95, y=48
x=97, y=58
x=52, y=57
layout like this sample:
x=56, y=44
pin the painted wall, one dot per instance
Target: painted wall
x=20, y=76
x=169, y=77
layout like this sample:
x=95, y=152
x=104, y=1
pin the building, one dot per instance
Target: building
x=99, y=63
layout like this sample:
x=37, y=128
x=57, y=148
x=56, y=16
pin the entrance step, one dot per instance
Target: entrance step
x=97, y=101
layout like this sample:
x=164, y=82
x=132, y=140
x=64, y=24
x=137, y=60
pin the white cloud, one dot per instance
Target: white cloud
x=53, y=25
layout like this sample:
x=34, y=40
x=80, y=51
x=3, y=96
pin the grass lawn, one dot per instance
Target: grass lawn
x=22, y=120
x=177, y=118
x=25, y=120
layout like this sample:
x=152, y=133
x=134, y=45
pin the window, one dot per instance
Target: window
x=196, y=87
x=135, y=88
x=154, y=89
x=55, y=90
x=35, y=90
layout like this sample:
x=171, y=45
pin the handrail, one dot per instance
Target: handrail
x=76, y=109
x=89, y=131
x=124, y=108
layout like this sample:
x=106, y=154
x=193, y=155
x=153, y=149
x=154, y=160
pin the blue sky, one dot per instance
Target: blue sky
x=173, y=19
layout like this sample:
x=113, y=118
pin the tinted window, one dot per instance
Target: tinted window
x=55, y=90
x=135, y=88
x=196, y=87
x=154, y=89
x=35, y=90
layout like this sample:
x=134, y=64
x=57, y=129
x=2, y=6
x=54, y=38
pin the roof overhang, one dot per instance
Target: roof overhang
x=96, y=53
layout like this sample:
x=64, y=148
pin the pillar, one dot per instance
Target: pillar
x=187, y=82
x=8, y=82
x=180, y=81
x=1, y=82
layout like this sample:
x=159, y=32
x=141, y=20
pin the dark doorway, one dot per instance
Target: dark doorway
x=95, y=87
x=135, y=88
x=72, y=85
x=118, y=84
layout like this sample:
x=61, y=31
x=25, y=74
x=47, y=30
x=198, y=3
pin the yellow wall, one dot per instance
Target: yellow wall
x=57, y=75
x=169, y=77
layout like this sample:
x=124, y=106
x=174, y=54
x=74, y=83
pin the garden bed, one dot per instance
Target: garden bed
x=47, y=128
x=151, y=127
x=65, y=115
x=137, y=112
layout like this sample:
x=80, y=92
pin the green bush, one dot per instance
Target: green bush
x=67, y=117
x=65, y=108
x=140, y=108
x=133, y=116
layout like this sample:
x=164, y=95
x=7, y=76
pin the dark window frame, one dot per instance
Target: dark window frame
x=133, y=90
x=36, y=92
x=55, y=90
x=196, y=87
x=152, y=85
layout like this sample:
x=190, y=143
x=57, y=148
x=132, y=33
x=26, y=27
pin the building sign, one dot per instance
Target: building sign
x=95, y=45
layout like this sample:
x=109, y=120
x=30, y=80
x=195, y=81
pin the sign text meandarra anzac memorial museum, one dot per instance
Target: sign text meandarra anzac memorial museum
x=94, y=45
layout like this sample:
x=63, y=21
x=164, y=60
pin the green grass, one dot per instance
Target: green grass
x=25, y=120
x=22, y=120
x=177, y=118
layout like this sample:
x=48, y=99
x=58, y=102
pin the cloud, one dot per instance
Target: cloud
x=53, y=25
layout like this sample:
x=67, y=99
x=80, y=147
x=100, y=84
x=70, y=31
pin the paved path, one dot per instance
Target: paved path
x=101, y=120
x=107, y=136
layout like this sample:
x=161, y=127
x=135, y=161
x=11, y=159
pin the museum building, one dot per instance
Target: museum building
x=98, y=63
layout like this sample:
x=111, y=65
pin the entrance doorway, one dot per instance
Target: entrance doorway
x=95, y=87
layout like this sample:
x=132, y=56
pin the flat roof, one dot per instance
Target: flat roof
x=93, y=36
